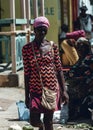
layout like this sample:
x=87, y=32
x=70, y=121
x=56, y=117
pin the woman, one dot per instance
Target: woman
x=48, y=62
x=70, y=55
x=84, y=21
x=80, y=79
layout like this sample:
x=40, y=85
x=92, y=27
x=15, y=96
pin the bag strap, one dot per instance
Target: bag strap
x=51, y=42
x=37, y=65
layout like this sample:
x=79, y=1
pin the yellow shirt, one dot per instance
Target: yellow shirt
x=70, y=56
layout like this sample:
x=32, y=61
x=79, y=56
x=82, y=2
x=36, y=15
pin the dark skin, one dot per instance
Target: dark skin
x=40, y=34
x=83, y=13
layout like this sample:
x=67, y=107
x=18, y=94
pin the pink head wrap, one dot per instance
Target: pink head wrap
x=41, y=21
x=76, y=34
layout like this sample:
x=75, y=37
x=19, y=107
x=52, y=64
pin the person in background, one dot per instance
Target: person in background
x=80, y=79
x=83, y=49
x=49, y=64
x=70, y=55
x=84, y=22
x=62, y=36
x=64, y=30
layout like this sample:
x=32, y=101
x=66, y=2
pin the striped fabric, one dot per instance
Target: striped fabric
x=46, y=63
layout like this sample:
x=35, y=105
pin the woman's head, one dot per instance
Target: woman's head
x=83, y=47
x=41, y=25
x=83, y=9
x=64, y=28
x=41, y=21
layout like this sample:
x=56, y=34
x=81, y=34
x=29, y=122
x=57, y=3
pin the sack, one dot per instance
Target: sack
x=48, y=98
x=23, y=111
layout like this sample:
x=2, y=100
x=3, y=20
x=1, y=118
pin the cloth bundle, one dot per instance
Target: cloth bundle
x=75, y=34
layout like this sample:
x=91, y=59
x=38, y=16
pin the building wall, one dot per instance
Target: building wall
x=5, y=5
x=52, y=12
x=57, y=11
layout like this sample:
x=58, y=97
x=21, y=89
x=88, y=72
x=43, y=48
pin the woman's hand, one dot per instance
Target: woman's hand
x=65, y=97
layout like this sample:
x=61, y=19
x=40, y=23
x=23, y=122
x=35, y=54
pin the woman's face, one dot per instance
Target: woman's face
x=40, y=33
x=82, y=49
x=83, y=12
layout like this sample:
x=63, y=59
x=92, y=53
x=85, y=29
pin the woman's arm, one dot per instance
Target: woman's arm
x=26, y=74
x=26, y=78
x=60, y=75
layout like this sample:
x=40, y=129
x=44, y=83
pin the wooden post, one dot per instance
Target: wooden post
x=70, y=14
x=28, y=16
x=42, y=8
x=28, y=13
x=35, y=8
x=23, y=12
x=13, y=37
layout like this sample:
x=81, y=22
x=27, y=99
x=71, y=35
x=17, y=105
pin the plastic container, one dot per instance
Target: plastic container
x=64, y=115
x=23, y=111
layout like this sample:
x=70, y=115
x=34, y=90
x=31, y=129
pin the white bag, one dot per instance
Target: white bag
x=56, y=116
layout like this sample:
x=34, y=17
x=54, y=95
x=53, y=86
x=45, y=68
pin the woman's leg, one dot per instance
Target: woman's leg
x=35, y=120
x=48, y=121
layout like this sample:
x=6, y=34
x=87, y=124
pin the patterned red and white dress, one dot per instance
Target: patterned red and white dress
x=48, y=61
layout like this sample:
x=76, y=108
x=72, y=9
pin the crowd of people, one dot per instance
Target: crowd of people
x=80, y=79
x=77, y=57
